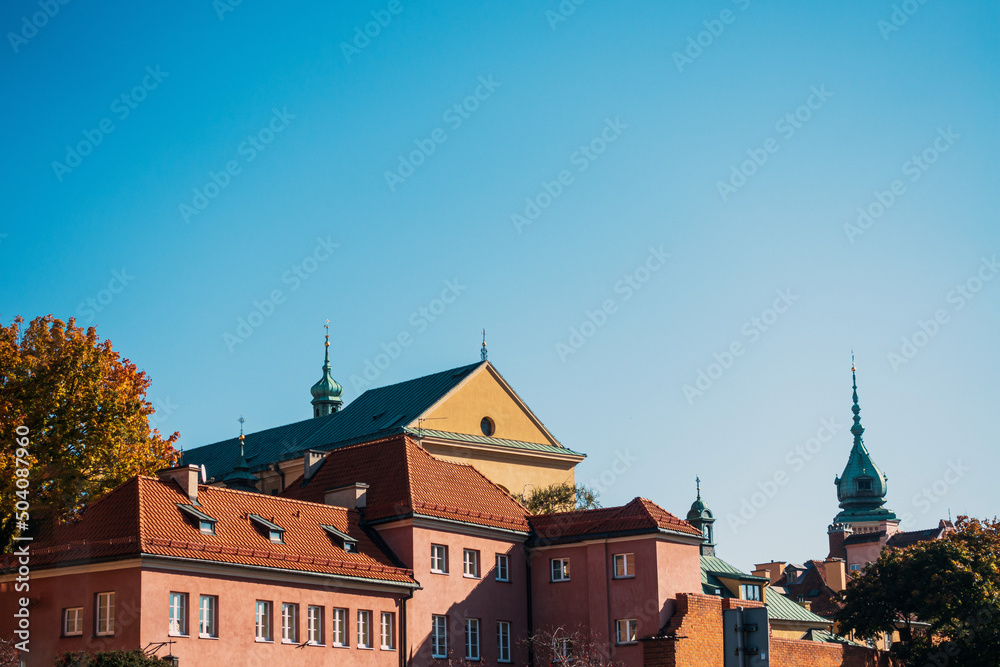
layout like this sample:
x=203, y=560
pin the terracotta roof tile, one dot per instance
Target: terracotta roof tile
x=141, y=517
x=638, y=515
x=404, y=479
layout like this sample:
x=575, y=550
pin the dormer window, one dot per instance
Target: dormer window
x=205, y=523
x=274, y=532
x=865, y=484
x=342, y=540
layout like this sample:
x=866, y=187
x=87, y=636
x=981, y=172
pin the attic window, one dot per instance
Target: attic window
x=814, y=592
x=342, y=540
x=205, y=523
x=864, y=484
x=274, y=532
x=487, y=426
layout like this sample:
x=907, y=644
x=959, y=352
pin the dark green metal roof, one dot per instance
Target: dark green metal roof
x=375, y=414
x=778, y=606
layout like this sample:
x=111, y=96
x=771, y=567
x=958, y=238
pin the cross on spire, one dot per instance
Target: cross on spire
x=697, y=482
x=482, y=352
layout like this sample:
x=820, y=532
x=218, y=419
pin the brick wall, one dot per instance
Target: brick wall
x=697, y=628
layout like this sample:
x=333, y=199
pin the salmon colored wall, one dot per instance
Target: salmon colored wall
x=52, y=594
x=482, y=395
x=236, y=619
x=862, y=554
x=459, y=597
x=594, y=599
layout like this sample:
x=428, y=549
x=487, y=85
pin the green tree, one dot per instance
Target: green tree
x=561, y=498
x=74, y=421
x=952, y=585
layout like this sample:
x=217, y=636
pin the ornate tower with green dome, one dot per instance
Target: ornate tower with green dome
x=702, y=518
x=327, y=392
x=861, y=489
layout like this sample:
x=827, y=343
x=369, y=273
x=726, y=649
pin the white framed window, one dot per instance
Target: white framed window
x=263, y=621
x=562, y=649
x=387, y=633
x=178, y=614
x=472, y=639
x=314, y=625
x=750, y=592
x=624, y=566
x=72, y=621
x=855, y=567
x=503, y=567
x=339, y=637
x=439, y=559
x=470, y=562
x=207, y=527
x=289, y=623
x=625, y=630
x=503, y=641
x=560, y=569
x=105, y=614
x=208, y=616
x=888, y=641
x=439, y=636
x=364, y=628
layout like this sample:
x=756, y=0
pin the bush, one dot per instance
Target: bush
x=134, y=658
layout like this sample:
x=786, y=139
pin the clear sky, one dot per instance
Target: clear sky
x=692, y=175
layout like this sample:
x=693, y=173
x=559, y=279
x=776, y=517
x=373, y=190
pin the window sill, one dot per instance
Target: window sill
x=624, y=576
x=388, y=648
x=258, y=640
x=215, y=637
x=366, y=648
x=289, y=642
x=502, y=581
x=438, y=572
x=177, y=634
x=73, y=634
x=558, y=581
x=471, y=576
x=626, y=643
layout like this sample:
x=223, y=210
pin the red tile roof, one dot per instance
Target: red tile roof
x=639, y=515
x=405, y=479
x=141, y=517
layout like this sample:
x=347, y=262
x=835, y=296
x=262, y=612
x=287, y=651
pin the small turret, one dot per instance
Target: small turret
x=702, y=518
x=240, y=476
x=327, y=392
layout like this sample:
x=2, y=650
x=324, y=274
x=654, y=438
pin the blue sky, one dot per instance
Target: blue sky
x=669, y=172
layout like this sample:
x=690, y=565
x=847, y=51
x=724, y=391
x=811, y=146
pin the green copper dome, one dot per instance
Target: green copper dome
x=327, y=392
x=862, y=488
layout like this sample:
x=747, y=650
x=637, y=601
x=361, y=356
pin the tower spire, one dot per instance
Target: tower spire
x=327, y=392
x=482, y=352
x=697, y=483
x=240, y=476
x=857, y=429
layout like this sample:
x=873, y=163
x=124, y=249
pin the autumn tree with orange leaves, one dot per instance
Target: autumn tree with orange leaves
x=86, y=415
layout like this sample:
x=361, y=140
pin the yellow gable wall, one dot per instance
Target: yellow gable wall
x=514, y=473
x=483, y=395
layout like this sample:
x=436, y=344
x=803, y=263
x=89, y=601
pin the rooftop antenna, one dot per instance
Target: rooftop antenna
x=482, y=352
x=420, y=426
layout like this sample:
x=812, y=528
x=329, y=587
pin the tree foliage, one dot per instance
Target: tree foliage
x=952, y=585
x=133, y=658
x=86, y=415
x=558, y=647
x=561, y=498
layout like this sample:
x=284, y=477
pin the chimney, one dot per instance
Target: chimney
x=805, y=604
x=837, y=533
x=836, y=573
x=353, y=496
x=772, y=571
x=186, y=477
x=313, y=460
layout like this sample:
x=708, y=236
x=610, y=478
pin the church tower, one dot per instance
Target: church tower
x=861, y=489
x=701, y=518
x=327, y=392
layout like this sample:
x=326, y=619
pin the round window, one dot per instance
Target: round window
x=489, y=428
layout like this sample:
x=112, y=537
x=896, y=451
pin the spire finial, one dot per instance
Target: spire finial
x=857, y=429
x=697, y=482
x=241, y=434
x=482, y=352
x=326, y=345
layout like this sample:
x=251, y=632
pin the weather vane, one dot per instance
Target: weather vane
x=482, y=352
